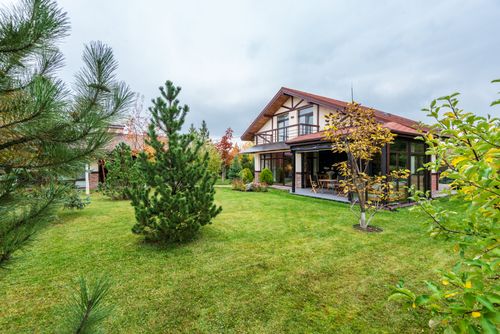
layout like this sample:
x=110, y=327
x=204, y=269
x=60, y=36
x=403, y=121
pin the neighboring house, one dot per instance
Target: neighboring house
x=97, y=169
x=288, y=137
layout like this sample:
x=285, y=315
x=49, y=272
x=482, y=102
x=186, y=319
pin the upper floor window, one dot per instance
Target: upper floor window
x=283, y=127
x=306, y=120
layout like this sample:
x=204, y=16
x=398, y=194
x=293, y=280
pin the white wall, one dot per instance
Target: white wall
x=294, y=116
x=298, y=163
x=256, y=162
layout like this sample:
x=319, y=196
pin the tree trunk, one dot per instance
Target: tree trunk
x=362, y=221
x=223, y=174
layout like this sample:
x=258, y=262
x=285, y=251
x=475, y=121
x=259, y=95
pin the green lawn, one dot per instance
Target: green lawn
x=270, y=263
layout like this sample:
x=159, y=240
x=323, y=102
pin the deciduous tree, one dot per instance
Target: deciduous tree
x=224, y=146
x=356, y=132
x=467, y=298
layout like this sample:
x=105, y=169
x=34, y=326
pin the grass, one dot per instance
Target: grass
x=270, y=263
x=219, y=182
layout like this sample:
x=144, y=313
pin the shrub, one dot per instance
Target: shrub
x=74, y=200
x=237, y=184
x=467, y=297
x=246, y=175
x=266, y=176
x=257, y=187
x=123, y=173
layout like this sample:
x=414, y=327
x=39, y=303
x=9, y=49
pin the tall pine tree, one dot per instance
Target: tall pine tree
x=47, y=132
x=178, y=195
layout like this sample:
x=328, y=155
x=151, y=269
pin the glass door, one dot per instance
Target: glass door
x=283, y=127
x=306, y=119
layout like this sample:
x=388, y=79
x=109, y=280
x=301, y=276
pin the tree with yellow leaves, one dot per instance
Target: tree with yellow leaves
x=356, y=132
x=467, y=298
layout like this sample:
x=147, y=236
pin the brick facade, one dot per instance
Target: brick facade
x=94, y=180
x=434, y=181
x=298, y=180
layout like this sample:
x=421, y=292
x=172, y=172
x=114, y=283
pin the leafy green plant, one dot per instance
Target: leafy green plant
x=266, y=176
x=246, y=175
x=467, y=298
x=85, y=309
x=73, y=200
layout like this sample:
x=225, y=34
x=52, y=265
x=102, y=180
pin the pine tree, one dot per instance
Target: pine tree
x=46, y=131
x=234, y=169
x=204, y=133
x=178, y=195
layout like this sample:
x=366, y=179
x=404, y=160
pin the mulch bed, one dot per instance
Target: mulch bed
x=369, y=229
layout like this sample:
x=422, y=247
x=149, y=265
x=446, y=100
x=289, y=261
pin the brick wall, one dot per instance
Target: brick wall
x=256, y=176
x=94, y=180
x=298, y=180
x=434, y=181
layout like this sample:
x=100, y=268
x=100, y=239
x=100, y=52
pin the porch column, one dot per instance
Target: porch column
x=293, y=171
x=87, y=179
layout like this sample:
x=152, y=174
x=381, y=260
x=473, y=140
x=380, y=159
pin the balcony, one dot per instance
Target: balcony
x=285, y=133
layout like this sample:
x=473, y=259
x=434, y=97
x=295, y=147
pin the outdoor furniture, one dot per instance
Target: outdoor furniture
x=329, y=184
x=314, y=184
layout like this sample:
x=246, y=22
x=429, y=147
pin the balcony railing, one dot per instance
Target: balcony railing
x=285, y=133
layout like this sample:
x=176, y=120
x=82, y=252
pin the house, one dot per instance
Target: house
x=96, y=171
x=288, y=137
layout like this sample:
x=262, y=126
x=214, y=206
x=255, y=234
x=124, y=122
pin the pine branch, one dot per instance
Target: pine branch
x=85, y=310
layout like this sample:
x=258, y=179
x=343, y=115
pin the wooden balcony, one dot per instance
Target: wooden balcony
x=283, y=134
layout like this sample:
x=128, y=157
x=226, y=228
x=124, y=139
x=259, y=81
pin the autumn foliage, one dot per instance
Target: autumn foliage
x=356, y=132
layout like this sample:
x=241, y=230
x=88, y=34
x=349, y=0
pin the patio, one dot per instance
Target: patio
x=320, y=194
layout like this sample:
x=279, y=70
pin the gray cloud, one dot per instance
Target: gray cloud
x=231, y=57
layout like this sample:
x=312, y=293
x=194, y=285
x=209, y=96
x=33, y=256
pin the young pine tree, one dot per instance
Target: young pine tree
x=47, y=131
x=178, y=195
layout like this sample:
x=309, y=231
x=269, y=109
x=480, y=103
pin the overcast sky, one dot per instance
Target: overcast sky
x=231, y=57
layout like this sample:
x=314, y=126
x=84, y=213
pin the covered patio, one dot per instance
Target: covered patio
x=328, y=195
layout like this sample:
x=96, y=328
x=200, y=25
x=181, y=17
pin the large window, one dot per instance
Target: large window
x=306, y=119
x=280, y=164
x=283, y=127
x=407, y=154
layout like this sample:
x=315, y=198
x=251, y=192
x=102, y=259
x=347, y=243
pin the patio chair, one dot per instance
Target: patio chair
x=314, y=184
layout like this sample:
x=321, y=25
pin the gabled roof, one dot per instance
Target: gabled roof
x=397, y=122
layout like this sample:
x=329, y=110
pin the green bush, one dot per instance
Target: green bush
x=74, y=200
x=123, y=174
x=266, y=176
x=246, y=175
